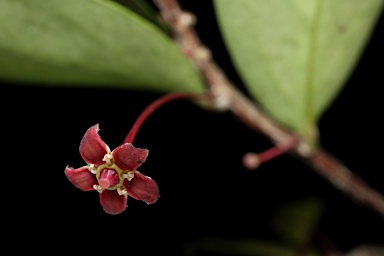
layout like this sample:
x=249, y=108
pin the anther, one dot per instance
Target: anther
x=98, y=188
x=129, y=176
x=107, y=159
x=122, y=191
x=92, y=168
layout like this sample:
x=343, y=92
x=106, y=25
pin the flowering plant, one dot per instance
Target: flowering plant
x=113, y=174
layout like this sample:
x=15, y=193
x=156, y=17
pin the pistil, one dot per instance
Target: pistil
x=108, y=178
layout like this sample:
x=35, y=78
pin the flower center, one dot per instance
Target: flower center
x=108, y=178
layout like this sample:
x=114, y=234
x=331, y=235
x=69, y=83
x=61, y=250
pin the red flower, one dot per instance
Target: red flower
x=112, y=174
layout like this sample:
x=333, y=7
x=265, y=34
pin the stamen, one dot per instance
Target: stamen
x=92, y=168
x=98, y=188
x=122, y=191
x=107, y=159
x=129, y=176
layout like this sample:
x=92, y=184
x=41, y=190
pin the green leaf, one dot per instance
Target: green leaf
x=89, y=42
x=295, y=55
x=144, y=9
x=240, y=247
x=296, y=222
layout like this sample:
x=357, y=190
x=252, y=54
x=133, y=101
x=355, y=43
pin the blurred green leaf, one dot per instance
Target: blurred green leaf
x=296, y=222
x=89, y=42
x=295, y=55
x=240, y=247
x=144, y=9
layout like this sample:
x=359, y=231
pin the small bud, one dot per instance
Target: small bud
x=251, y=161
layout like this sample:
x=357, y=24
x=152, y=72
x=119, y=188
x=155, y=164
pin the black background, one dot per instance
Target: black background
x=195, y=157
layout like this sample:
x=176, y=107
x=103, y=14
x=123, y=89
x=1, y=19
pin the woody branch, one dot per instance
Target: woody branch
x=226, y=96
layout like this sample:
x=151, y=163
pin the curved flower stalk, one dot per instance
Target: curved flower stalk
x=114, y=173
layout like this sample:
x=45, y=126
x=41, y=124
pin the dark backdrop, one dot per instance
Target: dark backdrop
x=195, y=157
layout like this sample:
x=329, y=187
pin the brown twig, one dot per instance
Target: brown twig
x=227, y=97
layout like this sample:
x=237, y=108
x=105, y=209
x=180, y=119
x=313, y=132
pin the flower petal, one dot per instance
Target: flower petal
x=112, y=202
x=143, y=188
x=92, y=147
x=127, y=157
x=81, y=178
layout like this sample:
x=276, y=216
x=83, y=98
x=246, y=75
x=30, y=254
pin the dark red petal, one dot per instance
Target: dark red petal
x=81, y=177
x=143, y=188
x=92, y=147
x=112, y=202
x=127, y=157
